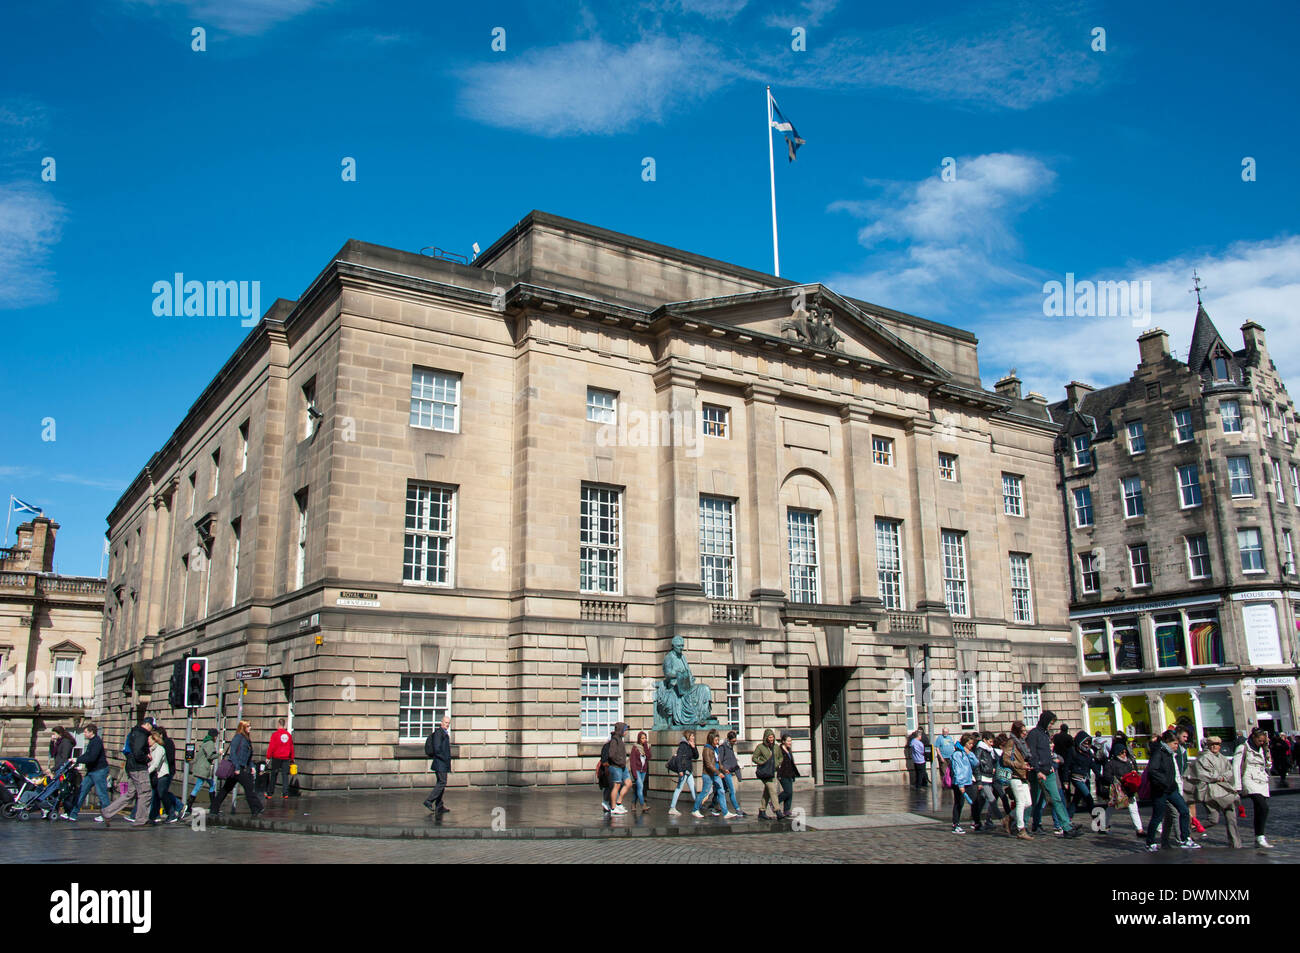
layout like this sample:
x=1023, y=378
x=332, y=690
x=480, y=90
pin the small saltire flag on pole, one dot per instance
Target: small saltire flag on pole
x=21, y=507
x=786, y=128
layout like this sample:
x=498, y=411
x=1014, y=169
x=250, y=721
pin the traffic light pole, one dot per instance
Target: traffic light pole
x=189, y=729
x=929, y=725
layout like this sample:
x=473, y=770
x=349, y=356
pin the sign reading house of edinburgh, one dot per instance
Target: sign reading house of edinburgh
x=350, y=597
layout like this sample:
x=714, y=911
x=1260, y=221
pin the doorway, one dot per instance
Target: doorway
x=830, y=723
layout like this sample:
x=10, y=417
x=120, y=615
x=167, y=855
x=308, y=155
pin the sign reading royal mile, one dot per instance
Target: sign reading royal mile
x=351, y=597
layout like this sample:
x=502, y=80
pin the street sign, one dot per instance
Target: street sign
x=244, y=674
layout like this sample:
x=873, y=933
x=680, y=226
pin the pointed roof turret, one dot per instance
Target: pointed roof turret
x=1204, y=336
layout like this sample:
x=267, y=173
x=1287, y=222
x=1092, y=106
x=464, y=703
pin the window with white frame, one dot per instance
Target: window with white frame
x=1279, y=488
x=1083, y=506
x=1183, y=431
x=736, y=699
x=300, y=556
x=948, y=467
x=801, y=533
x=1240, y=480
x=1133, y=497
x=716, y=421
x=889, y=562
x=1198, y=556
x=909, y=699
x=1031, y=703
x=310, y=412
x=967, y=703
x=718, y=547
x=65, y=668
x=234, y=560
x=600, y=540
x=423, y=701
x=1251, y=546
x=602, y=406
x=1082, y=453
x=1090, y=572
x=1022, y=603
x=1295, y=484
x=243, y=446
x=1139, y=561
x=1189, y=486
x=1288, y=553
x=194, y=490
x=435, y=400
x=1013, y=497
x=954, y=573
x=216, y=471
x=602, y=700
x=882, y=451
x=1266, y=419
x=1137, y=437
x=1283, y=423
x=1230, y=414
x=429, y=543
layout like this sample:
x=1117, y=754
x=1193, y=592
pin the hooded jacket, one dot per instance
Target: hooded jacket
x=137, y=743
x=1040, y=744
x=1162, y=770
x=618, y=747
x=1081, y=757
x=964, y=763
x=203, y=758
x=1250, y=769
x=280, y=746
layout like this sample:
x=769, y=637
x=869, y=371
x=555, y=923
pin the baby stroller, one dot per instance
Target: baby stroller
x=28, y=788
x=47, y=801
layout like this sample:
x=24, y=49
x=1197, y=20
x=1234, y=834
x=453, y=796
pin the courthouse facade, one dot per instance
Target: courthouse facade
x=499, y=490
x=1182, y=489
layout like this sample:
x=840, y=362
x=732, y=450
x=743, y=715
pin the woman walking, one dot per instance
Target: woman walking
x=1080, y=773
x=986, y=800
x=205, y=758
x=1250, y=769
x=712, y=777
x=767, y=757
x=1215, y=787
x=639, y=762
x=1015, y=756
x=683, y=762
x=241, y=757
x=160, y=772
x=786, y=772
x=1122, y=778
x=964, y=764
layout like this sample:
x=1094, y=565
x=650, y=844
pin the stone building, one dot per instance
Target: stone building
x=49, y=642
x=501, y=489
x=1181, y=488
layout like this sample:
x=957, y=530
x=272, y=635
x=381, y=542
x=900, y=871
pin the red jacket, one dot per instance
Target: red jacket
x=281, y=745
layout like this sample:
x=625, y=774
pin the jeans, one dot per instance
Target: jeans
x=138, y=790
x=638, y=778
x=787, y=794
x=990, y=801
x=686, y=780
x=731, y=790
x=1175, y=800
x=918, y=775
x=1021, y=791
x=99, y=779
x=279, y=766
x=198, y=786
x=1049, y=790
x=1081, y=793
x=164, y=800
x=710, y=781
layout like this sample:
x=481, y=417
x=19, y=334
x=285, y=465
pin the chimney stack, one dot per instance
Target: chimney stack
x=1075, y=391
x=1253, y=335
x=1009, y=386
x=1153, y=346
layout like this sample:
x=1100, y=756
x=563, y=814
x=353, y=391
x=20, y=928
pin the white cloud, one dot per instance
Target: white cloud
x=239, y=17
x=591, y=86
x=30, y=226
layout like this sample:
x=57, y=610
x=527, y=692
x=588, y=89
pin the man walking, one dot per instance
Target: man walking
x=139, y=789
x=1043, y=763
x=96, y=763
x=280, y=750
x=438, y=747
x=1167, y=791
x=616, y=769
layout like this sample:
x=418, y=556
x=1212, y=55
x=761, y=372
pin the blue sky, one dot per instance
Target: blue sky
x=1122, y=164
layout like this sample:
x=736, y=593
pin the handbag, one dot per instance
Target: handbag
x=225, y=770
x=947, y=775
x=767, y=770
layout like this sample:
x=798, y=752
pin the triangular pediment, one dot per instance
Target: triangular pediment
x=811, y=316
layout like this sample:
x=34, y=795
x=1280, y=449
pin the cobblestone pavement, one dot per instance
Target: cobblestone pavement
x=34, y=842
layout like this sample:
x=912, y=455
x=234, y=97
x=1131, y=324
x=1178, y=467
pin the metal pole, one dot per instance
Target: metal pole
x=771, y=172
x=189, y=726
x=929, y=726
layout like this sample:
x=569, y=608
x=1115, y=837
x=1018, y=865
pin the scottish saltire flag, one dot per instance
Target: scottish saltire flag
x=786, y=128
x=21, y=507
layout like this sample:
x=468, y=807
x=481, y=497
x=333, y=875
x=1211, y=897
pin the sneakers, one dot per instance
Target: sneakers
x=1152, y=848
x=728, y=816
x=957, y=829
x=1198, y=826
x=673, y=812
x=1262, y=841
x=1190, y=844
x=619, y=809
x=605, y=807
x=696, y=814
x=1241, y=811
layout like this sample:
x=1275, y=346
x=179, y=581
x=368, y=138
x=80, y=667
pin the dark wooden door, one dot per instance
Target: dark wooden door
x=833, y=722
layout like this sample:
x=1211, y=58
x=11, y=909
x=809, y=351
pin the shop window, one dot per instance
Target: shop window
x=1096, y=658
x=1171, y=641
x=1126, y=637
x=1206, y=638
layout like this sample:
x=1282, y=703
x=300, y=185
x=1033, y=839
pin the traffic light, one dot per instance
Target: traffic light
x=196, y=682
x=176, y=690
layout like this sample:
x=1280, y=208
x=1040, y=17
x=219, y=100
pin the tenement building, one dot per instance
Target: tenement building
x=49, y=642
x=1181, y=490
x=500, y=490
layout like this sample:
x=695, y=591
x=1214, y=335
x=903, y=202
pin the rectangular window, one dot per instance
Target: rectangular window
x=801, y=532
x=1230, y=414
x=1139, y=560
x=1126, y=639
x=435, y=400
x=1137, y=438
x=736, y=699
x=1295, y=484
x=967, y=704
x=954, y=573
x=423, y=701
x=1090, y=572
x=1013, y=502
x=185, y=587
x=1251, y=546
x=602, y=700
x=1171, y=641
x=310, y=412
x=600, y=540
x=1022, y=608
x=717, y=547
x=1279, y=488
x=1092, y=639
x=1133, y=497
x=1031, y=703
x=1288, y=553
x=234, y=561
x=1284, y=423
x=1206, y=639
x=1189, y=486
x=909, y=699
x=889, y=562
x=300, y=557
x=1183, y=426
x=216, y=471
x=243, y=446
x=1266, y=419
x=1083, y=506
x=194, y=490
x=716, y=422
x=1082, y=455
x=602, y=406
x=1198, y=556
x=882, y=451
x=948, y=467
x=64, y=669
x=1240, y=480
x=428, y=545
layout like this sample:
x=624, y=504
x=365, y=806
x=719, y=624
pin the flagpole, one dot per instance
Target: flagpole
x=771, y=171
x=8, y=513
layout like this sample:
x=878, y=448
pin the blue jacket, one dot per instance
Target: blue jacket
x=241, y=752
x=963, y=767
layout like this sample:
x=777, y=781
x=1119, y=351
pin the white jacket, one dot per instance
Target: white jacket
x=158, y=761
x=1250, y=770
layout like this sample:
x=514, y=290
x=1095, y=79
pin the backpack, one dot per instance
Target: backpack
x=428, y=746
x=602, y=768
x=673, y=765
